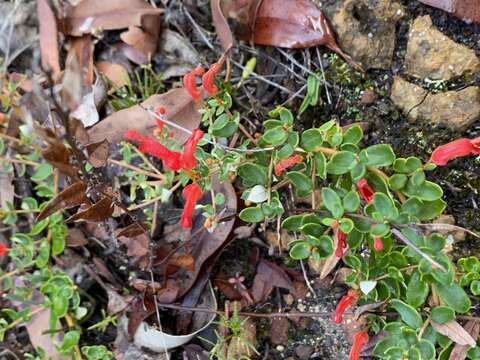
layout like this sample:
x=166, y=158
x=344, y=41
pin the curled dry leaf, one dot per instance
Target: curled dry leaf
x=288, y=24
x=99, y=211
x=143, y=39
x=98, y=153
x=58, y=156
x=180, y=106
x=455, y=332
x=269, y=276
x=116, y=73
x=48, y=38
x=459, y=352
x=221, y=25
x=131, y=230
x=92, y=15
x=72, y=196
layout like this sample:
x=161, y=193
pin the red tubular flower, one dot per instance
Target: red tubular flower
x=342, y=243
x=191, y=193
x=208, y=80
x=377, y=243
x=343, y=304
x=359, y=341
x=458, y=148
x=189, y=82
x=149, y=145
x=365, y=190
x=160, y=111
x=3, y=249
x=286, y=163
x=188, y=157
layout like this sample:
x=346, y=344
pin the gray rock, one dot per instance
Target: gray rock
x=431, y=54
x=365, y=29
x=456, y=109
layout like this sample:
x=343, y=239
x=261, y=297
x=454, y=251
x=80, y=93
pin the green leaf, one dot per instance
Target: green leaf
x=417, y=290
x=324, y=246
x=223, y=126
x=351, y=201
x=286, y=116
x=442, y=314
x=293, y=223
x=58, y=242
x=385, y=206
x=455, y=297
x=301, y=182
x=358, y=172
x=320, y=165
x=257, y=194
x=43, y=254
x=59, y=305
x=253, y=174
x=353, y=262
x=332, y=202
x=327, y=126
x=300, y=251
x=276, y=136
x=423, y=210
x=42, y=172
x=313, y=229
x=426, y=348
x=311, y=140
x=418, y=177
x=70, y=339
x=428, y=191
x=475, y=287
x=408, y=165
x=252, y=214
x=346, y=225
x=409, y=315
x=397, y=181
x=353, y=135
x=341, y=163
x=377, y=155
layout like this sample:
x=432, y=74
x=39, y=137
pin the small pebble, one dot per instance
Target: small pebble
x=280, y=348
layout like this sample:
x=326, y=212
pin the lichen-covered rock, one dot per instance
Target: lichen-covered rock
x=431, y=54
x=365, y=29
x=457, y=109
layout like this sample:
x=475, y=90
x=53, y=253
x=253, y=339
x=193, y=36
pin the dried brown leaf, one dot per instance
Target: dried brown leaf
x=116, y=73
x=182, y=260
x=221, y=25
x=131, y=230
x=269, y=276
x=459, y=352
x=76, y=238
x=78, y=130
x=98, y=153
x=137, y=248
x=279, y=331
x=180, y=107
x=144, y=39
x=72, y=196
x=289, y=24
x=48, y=38
x=82, y=49
x=139, y=310
x=455, y=332
x=93, y=15
x=99, y=211
x=58, y=156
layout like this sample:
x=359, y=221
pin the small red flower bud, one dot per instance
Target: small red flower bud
x=191, y=193
x=188, y=157
x=3, y=249
x=365, y=190
x=208, y=80
x=458, y=148
x=342, y=243
x=287, y=163
x=343, y=304
x=377, y=243
x=359, y=341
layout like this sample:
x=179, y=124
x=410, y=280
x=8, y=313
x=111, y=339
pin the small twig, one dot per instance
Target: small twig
x=307, y=281
x=159, y=176
x=329, y=99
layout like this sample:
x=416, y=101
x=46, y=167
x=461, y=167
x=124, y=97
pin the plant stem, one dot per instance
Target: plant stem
x=137, y=169
x=20, y=161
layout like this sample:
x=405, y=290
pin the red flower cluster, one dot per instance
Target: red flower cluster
x=458, y=148
x=342, y=243
x=365, y=190
x=377, y=243
x=286, y=163
x=191, y=193
x=343, y=304
x=173, y=160
x=3, y=249
x=189, y=81
x=208, y=80
x=359, y=341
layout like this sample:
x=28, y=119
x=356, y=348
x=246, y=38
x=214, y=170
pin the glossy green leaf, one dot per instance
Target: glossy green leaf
x=300, y=251
x=351, y=201
x=455, y=297
x=311, y=140
x=377, y=155
x=341, y=163
x=353, y=135
x=442, y=314
x=252, y=214
x=301, y=182
x=385, y=206
x=417, y=290
x=276, y=136
x=409, y=315
x=320, y=165
x=253, y=174
x=397, y=181
x=332, y=202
